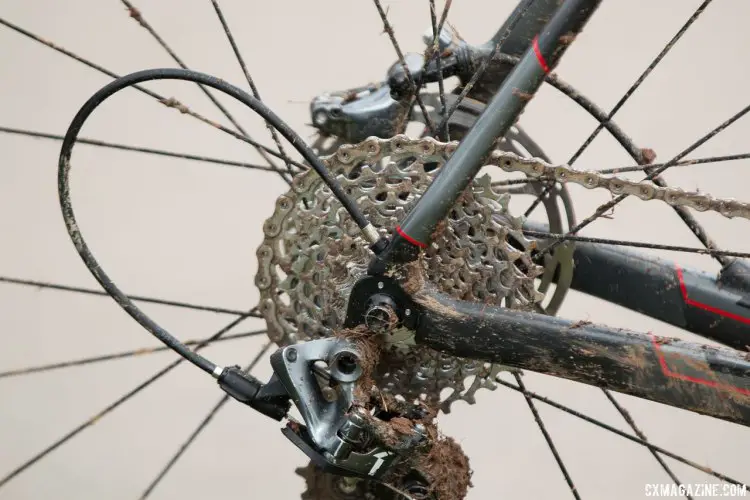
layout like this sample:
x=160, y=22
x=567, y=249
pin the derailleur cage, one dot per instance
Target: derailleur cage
x=334, y=434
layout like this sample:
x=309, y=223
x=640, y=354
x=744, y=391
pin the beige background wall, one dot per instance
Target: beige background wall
x=188, y=231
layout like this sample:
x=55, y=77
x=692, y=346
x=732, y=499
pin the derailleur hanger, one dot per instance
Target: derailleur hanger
x=379, y=303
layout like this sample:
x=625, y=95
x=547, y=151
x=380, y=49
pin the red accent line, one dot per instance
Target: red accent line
x=680, y=376
x=539, y=56
x=705, y=307
x=409, y=238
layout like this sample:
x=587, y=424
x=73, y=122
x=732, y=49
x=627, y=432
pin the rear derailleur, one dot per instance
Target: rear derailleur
x=346, y=426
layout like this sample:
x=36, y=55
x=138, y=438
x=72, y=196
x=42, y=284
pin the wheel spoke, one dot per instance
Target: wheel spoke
x=620, y=433
x=92, y=420
x=587, y=104
x=434, y=52
x=634, y=168
x=168, y=102
x=629, y=419
x=138, y=298
x=201, y=426
x=652, y=175
x=485, y=63
x=681, y=163
x=410, y=79
x=635, y=244
x=253, y=88
x=138, y=149
x=547, y=437
x=641, y=78
x=136, y=14
x=120, y=355
x=647, y=156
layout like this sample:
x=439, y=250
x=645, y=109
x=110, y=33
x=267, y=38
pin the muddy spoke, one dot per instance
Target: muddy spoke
x=138, y=17
x=620, y=433
x=587, y=104
x=121, y=355
x=652, y=175
x=485, y=63
x=168, y=102
x=410, y=79
x=646, y=156
x=547, y=437
x=91, y=421
x=137, y=149
x=641, y=78
x=434, y=52
x=634, y=244
x=681, y=163
x=201, y=427
x=629, y=419
x=633, y=168
x=138, y=298
x=253, y=88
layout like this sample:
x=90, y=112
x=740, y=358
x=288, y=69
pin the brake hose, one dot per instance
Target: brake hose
x=72, y=226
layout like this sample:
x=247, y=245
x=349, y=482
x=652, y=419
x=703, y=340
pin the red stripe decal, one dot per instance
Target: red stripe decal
x=409, y=238
x=705, y=307
x=539, y=56
x=688, y=378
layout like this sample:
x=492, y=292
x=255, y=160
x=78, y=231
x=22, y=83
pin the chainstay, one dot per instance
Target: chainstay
x=535, y=168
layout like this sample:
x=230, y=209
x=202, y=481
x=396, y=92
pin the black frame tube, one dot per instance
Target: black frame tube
x=714, y=308
x=707, y=380
x=501, y=112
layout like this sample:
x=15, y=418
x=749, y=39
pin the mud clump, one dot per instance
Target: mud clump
x=408, y=429
x=412, y=276
x=648, y=155
x=436, y=458
x=446, y=467
x=369, y=348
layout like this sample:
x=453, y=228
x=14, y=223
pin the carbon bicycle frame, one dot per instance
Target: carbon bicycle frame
x=696, y=377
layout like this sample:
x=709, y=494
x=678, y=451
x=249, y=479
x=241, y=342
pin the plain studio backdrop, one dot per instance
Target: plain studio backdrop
x=188, y=231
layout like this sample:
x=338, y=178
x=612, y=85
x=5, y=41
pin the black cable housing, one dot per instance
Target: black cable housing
x=69, y=216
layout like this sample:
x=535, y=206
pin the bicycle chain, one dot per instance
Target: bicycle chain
x=675, y=197
x=539, y=169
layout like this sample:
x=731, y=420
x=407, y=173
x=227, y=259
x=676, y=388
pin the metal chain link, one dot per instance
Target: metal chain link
x=675, y=197
x=539, y=169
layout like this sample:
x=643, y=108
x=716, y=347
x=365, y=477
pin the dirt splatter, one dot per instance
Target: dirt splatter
x=579, y=324
x=368, y=345
x=524, y=96
x=413, y=277
x=648, y=155
x=664, y=340
x=402, y=425
x=447, y=469
x=174, y=103
x=439, y=230
x=568, y=38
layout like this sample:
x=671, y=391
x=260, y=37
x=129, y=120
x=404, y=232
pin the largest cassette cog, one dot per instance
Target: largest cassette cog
x=313, y=253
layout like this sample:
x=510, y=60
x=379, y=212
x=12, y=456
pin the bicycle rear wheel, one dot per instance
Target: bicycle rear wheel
x=159, y=223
